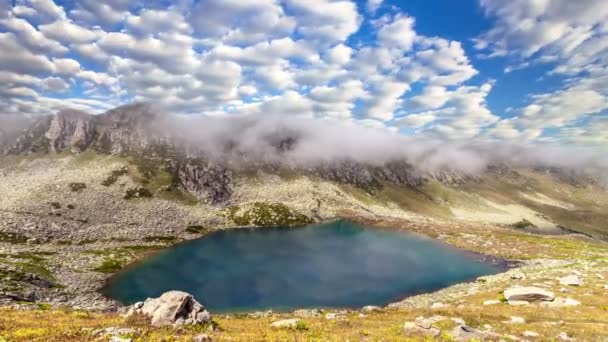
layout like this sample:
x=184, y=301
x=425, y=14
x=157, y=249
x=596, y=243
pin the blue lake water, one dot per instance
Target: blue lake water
x=338, y=264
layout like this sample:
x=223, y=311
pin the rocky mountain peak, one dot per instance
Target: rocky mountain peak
x=70, y=129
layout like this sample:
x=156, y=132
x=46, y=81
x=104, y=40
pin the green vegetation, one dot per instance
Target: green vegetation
x=114, y=176
x=110, y=265
x=265, y=214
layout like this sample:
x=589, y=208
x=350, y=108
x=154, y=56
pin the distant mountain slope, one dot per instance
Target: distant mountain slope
x=160, y=164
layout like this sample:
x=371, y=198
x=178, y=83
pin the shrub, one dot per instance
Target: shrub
x=77, y=187
x=139, y=192
x=114, y=175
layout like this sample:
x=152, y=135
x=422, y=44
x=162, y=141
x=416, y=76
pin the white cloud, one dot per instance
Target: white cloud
x=572, y=36
x=399, y=33
x=325, y=21
x=373, y=5
x=104, y=13
x=17, y=58
x=31, y=38
x=67, y=32
x=55, y=84
x=339, y=54
x=66, y=66
x=46, y=9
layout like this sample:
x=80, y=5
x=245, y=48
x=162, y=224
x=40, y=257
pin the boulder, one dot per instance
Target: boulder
x=285, y=324
x=571, y=280
x=529, y=294
x=411, y=328
x=173, y=308
x=423, y=326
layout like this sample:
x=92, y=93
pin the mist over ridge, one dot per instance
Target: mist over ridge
x=306, y=142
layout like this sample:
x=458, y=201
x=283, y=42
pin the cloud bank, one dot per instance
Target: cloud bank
x=306, y=142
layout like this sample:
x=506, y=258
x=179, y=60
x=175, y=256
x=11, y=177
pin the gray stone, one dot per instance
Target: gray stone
x=411, y=328
x=529, y=294
x=285, y=324
x=174, y=308
x=571, y=280
x=201, y=338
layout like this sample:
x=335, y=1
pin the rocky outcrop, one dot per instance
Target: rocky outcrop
x=172, y=308
x=207, y=182
x=71, y=130
x=127, y=129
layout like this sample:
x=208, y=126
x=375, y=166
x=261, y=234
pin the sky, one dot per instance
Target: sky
x=517, y=70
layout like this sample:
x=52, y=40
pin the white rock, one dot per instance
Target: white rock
x=564, y=337
x=439, y=305
x=371, y=308
x=285, y=324
x=119, y=339
x=201, y=338
x=414, y=328
x=516, y=320
x=331, y=315
x=491, y=302
x=571, y=280
x=529, y=294
x=518, y=302
x=529, y=333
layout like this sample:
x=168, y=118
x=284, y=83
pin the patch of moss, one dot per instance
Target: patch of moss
x=110, y=265
x=44, y=306
x=266, y=214
x=114, y=176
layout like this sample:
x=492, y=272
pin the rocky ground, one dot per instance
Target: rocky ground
x=67, y=222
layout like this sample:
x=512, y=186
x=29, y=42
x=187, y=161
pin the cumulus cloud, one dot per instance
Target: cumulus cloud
x=571, y=36
x=319, y=58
